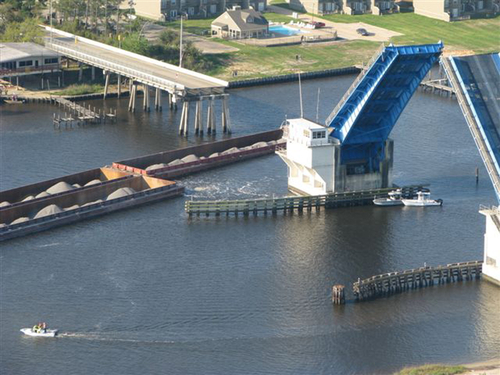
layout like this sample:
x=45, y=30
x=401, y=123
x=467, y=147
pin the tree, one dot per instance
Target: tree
x=26, y=31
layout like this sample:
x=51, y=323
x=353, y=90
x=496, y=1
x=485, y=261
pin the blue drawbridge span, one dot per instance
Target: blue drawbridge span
x=365, y=116
x=476, y=81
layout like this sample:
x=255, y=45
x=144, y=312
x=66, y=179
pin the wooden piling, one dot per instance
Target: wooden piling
x=338, y=295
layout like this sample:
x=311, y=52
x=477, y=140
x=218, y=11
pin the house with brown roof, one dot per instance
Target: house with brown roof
x=240, y=23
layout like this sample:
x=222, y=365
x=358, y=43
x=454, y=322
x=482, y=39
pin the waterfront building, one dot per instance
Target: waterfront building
x=351, y=7
x=167, y=10
x=26, y=59
x=456, y=10
x=491, y=265
x=240, y=23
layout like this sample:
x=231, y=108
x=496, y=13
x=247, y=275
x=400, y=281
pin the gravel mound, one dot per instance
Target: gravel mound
x=190, y=158
x=156, y=166
x=20, y=220
x=74, y=207
x=28, y=198
x=272, y=143
x=94, y=202
x=93, y=182
x=43, y=194
x=3, y=225
x=76, y=186
x=176, y=162
x=214, y=155
x=5, y=204
x=122, y=192
x=232, y=150
x=60, y=187
x=259, y=144
x=49, y=210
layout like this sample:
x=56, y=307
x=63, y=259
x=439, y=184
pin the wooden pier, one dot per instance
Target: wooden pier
x=397, y=282
x=438, y=86
x=79, y=113
x=290, y=204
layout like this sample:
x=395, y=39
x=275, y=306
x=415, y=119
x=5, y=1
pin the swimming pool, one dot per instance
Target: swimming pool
x=284, y=30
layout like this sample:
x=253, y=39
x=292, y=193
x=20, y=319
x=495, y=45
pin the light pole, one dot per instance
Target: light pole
x=180, y=48
x=50, y=9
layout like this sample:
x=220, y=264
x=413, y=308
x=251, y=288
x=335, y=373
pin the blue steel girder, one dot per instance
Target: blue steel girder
x=373, y=108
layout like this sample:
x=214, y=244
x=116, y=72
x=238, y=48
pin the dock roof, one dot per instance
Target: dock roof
x=17, y=51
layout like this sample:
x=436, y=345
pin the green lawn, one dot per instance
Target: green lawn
x=198, y=27
x=480, y=36
x=253, y=62
x=433, y=370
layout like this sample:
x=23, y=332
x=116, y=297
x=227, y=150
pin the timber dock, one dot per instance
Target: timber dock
x=291, y=204
x=438, y=86
x=396, y=282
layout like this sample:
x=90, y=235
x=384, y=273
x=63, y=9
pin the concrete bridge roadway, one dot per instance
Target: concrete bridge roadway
x=177, y=81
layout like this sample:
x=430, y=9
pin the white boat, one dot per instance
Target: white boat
x=422, y=200
x=42, y=333
x=393, y=199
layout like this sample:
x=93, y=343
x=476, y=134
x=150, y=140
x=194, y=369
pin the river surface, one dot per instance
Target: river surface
x=149, y=291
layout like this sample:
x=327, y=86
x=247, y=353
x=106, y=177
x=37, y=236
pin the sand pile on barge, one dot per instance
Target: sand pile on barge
x=120, y=193
x=156, y=166
x=49, y=210
x=60, y=187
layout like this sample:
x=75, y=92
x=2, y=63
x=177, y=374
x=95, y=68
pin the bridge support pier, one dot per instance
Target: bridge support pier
x=80, y=72
x=131, y=102
x=210, y=116
x=145, y=91
x=173, y=103
x=184, y=124
x=198, y=124
x=158, y=99
x=119, y=85
x=106, y=83
x=93, y=74
x=225, y=115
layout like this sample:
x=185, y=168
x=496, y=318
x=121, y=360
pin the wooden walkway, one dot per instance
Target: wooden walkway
x=79, y=112
x=438, y=86
x=290, y=204
x=396, y=282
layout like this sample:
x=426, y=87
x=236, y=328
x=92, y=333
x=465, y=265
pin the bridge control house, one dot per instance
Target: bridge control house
x=18, y=59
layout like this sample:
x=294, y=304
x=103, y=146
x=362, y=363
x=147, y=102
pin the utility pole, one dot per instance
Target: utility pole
x=50, y=6
x=180, y=48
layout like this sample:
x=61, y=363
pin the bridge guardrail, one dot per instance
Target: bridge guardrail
x=85, y=55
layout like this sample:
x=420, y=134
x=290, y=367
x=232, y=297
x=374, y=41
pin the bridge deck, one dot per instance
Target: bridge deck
x=476, y=79
x=145, y=70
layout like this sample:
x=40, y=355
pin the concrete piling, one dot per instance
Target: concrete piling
x=338, y=295
x=119, y=85
x=198, y=125
x=106, y=83
x=225, y=115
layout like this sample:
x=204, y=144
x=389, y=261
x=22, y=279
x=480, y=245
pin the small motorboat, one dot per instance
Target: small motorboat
x=423, y=199
x=393, y=199
x=39, y=330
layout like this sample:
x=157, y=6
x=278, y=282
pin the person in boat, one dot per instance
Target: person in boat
x=44, y=327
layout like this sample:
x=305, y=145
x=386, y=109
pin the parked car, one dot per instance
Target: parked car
x=317, y=25
x=362, y=32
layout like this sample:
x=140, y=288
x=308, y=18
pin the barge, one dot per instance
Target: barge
x=184, y=161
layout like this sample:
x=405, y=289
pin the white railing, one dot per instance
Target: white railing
x=473, y=126
x=85, y=55
x=354, y=85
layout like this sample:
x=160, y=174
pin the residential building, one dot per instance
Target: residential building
x=240, y=23
x=345, y=6
x=455, y=10
x=172, y=9
x=27, y=58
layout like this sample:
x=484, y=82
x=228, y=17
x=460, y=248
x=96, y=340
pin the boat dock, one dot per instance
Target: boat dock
x=396, y=282
x=438, y=86
x=290, y=204
x=79, y=113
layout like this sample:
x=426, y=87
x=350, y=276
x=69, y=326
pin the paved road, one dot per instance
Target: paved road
x=188, y=81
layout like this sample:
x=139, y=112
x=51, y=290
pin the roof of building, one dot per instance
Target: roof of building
x=245, y=19
x=16, y=51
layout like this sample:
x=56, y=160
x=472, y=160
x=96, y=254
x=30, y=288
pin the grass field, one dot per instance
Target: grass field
x=433, y=370
x=80, y=89
x=480, y=36
x=475, y=36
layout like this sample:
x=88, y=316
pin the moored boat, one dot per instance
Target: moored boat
x=423, y=199
x=393, y=199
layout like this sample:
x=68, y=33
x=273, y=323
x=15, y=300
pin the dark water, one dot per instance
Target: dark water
x=150, y=291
